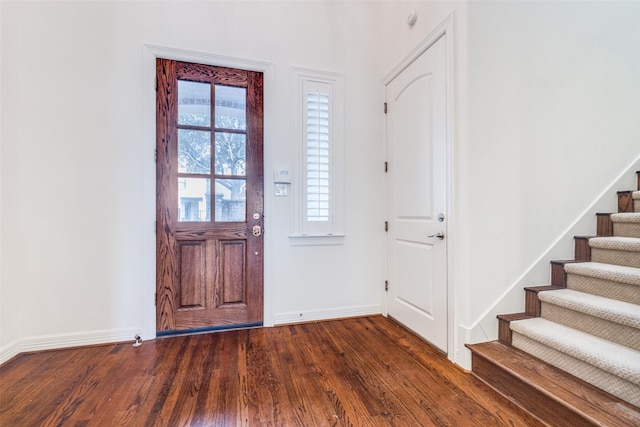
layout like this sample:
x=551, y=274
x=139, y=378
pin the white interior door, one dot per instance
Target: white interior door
x=417, y=174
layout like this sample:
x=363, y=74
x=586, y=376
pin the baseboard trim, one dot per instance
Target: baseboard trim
x=54, y=342
x=327, y=314
x=462, y=355
x=9, y=351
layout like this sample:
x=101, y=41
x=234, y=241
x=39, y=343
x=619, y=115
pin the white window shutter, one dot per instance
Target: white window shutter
x=318, y=158
x=319, y=192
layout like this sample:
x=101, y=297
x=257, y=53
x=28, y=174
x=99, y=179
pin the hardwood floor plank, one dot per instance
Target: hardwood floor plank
x=302, y=382
x=218, y=401
x=354, y=372
x=408, y=386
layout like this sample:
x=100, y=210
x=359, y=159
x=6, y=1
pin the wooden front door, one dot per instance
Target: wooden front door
x=417, y=198
x=209, y=250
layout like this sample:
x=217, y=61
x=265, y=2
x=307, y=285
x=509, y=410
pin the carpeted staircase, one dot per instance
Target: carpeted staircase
x=586, y=323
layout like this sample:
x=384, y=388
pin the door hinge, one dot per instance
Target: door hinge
x=386, y=226
x=155, y=299
x=386, y=285
x=155, y=227
x=386, y=166
x=385, y=108
x=155, y=155
x=155, y=84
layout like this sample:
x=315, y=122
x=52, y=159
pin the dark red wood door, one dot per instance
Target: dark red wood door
x=209, y=196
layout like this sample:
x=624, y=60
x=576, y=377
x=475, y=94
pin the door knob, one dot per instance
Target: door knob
x=257, y=231
x=439, y=235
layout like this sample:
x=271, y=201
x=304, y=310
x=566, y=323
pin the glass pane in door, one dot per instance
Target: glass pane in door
x=194, y=103
x=231, y=200
x=194, y=151
x=231, y=107
x=194, y=199
x=231, y=154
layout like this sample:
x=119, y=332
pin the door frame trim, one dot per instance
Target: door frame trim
x=445, y=28
x=148, y=258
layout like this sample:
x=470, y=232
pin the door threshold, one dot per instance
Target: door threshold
x=206, y=329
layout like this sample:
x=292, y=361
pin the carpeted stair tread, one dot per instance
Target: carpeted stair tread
x=633, y=217
x=617, y=273
x=610, y=357
x=626, y=224
x=618, y=243
x=617, y=250
x=616, y=311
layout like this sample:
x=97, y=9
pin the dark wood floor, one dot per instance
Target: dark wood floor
x=356, y=372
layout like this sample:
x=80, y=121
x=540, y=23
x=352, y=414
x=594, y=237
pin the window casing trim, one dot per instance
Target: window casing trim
x=331, y=231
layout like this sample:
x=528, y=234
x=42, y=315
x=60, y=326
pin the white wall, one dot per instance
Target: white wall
x=5, y=318
x=76, y=218
x=554, y=90
x=546, y=102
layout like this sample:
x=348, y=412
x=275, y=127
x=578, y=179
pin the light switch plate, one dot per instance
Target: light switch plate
x=282, y=190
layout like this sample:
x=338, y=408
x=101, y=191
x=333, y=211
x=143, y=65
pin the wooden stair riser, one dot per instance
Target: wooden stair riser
x=625, y=201
x=532, y=400
x=636, y=203
x=604, y=226
x=558, y=275
x=555, y=397
x=532, y=303
x=504, y=331
x=582, y=250
x=606, y=329
x=531, y=300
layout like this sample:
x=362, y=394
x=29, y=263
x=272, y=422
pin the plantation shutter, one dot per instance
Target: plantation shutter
x=317, y=158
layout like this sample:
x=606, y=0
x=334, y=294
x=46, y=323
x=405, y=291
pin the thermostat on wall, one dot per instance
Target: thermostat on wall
x=281, y=176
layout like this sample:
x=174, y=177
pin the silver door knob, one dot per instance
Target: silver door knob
x=439, y=235
x=257, y=230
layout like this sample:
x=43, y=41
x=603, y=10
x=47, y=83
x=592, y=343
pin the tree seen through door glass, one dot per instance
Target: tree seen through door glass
x=199, y=163
x=231, y=154
x=194, y=151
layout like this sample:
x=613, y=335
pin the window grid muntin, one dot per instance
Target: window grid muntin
x=213, y=130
